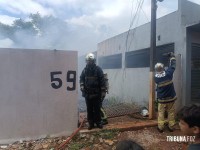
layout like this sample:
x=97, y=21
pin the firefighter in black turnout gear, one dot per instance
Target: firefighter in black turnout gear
x=92, y=85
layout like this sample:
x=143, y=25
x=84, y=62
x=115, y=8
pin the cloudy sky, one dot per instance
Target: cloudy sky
x=92, y=20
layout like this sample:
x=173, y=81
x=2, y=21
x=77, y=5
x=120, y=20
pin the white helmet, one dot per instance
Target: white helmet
x=90, y=57
x=159, y=67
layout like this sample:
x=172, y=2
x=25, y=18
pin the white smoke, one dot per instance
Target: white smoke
x=6, y=43
x=87, y=22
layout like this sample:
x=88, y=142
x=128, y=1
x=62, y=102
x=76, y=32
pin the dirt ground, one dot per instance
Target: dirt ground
x=149, y=138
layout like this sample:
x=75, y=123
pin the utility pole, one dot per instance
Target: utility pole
x=152, y=59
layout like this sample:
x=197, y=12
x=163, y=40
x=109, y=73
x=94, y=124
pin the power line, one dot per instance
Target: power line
x=145, y=15
x=136, y=16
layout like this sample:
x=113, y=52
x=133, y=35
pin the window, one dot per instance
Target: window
x=141, y=58
x=110, y=62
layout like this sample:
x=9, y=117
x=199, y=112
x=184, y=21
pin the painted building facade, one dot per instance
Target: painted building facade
x=126, y=57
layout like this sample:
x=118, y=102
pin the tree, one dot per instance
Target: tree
x=6, y=31
x=38, y=32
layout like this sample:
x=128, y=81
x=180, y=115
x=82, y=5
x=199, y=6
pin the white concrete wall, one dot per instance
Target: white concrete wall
x=189, y=15
x=30, y=107
x=132, y=84
x=171, y=29
x=128, y=86
x=189, y=12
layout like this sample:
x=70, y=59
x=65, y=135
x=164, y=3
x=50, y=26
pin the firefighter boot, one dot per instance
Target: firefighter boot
x=90, y=126
x=160, y=130
x=170, y=129
x=99, y=125
x=104, y=121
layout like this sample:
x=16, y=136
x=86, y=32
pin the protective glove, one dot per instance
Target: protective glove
x=82, y=88
x=171, y=54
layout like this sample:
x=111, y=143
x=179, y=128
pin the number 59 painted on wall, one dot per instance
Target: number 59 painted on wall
x=56, y=82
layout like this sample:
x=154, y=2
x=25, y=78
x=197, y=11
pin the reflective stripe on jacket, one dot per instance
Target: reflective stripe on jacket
x=165, y=87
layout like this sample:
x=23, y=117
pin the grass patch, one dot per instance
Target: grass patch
x=79, y=145
x=78, y=142
x=106, y=134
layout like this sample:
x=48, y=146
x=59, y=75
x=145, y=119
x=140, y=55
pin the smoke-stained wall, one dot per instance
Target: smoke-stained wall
x=38, y=93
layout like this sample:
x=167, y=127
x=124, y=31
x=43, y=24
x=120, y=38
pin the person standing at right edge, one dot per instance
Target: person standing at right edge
x=166, y=94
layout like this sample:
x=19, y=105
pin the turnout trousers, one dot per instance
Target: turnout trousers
x=170, y=109
x=93, y=104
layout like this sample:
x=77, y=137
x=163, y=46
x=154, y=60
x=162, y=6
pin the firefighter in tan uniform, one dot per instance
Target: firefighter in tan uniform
x=166, y=94
x=104, y=117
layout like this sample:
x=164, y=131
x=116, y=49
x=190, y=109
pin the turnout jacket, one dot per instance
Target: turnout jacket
x=165, y=87
x=92, y=78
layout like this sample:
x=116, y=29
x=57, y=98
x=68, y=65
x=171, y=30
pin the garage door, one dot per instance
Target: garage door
x=195, y=73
